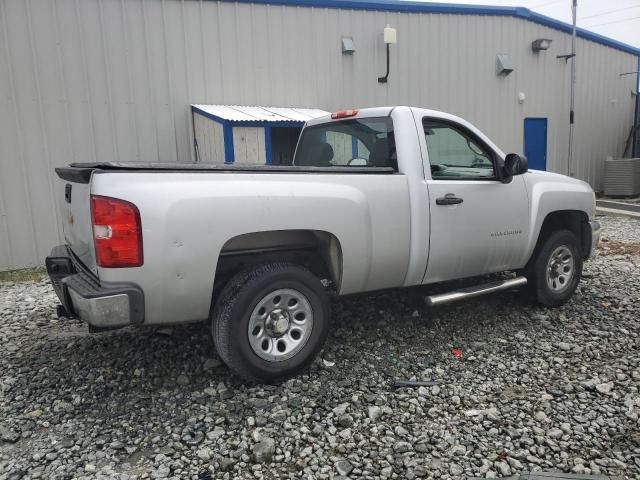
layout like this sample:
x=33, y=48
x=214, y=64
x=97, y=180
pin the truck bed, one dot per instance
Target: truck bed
x=81, y=172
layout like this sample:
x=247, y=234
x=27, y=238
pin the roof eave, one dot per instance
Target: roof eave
x=451, y=8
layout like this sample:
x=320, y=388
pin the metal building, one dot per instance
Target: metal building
x=105, y=80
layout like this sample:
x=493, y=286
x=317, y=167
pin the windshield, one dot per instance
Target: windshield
x=365, y=142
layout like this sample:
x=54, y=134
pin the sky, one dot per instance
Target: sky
x=617, y=19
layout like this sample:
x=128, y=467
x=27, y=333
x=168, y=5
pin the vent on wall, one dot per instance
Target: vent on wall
x=622, y=177
x=503, y=64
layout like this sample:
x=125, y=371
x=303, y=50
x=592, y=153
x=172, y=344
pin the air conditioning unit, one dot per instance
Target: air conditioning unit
x=622, y=177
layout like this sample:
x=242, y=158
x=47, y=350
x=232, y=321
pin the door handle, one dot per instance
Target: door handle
x=448, y=199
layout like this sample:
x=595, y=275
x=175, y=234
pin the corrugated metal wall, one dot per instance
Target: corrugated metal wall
x=101, y=80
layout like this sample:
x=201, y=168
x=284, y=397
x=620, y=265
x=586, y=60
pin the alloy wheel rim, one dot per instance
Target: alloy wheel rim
x=280, y=325
x=560, y=269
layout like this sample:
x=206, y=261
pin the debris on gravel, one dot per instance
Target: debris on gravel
x=535, y=390
x=616, y=247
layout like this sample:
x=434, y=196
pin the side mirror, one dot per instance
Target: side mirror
x=515, y=164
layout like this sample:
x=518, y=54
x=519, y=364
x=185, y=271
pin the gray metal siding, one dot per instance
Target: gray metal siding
x=101, y=80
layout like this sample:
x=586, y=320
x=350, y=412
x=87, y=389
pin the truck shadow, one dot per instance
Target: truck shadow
x=399, y=322
x=150, y=361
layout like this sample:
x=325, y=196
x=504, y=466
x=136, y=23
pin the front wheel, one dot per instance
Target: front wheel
x=271, y=321
x=555, y=271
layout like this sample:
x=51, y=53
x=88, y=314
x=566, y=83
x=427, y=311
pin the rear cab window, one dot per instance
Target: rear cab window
x=355, y=142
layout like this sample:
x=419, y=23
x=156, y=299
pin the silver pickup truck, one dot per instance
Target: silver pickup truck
x=376, y=198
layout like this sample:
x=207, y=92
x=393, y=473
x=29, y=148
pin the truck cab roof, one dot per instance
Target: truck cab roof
x=361, y=113
x=385, y=112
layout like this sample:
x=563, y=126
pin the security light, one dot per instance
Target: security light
x=540, y=44
x=389, y=35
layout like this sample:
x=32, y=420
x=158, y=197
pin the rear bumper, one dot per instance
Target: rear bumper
x=84, y=296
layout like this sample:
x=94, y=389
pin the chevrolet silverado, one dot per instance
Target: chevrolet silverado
x=377, y=198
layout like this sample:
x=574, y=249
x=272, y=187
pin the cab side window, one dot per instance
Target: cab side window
x=456, y=154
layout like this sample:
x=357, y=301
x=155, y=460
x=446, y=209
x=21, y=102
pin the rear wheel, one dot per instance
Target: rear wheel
x=271, y=321
x=554, y=272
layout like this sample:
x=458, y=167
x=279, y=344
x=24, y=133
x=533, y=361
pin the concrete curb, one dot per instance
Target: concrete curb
x=614, y=212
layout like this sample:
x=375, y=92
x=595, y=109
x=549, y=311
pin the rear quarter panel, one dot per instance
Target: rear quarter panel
x=188, y=217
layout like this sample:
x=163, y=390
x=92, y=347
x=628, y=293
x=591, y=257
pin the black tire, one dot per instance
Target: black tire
x=233, y=310
x=536, y=271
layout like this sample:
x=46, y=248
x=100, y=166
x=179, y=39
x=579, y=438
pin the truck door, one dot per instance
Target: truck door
x=478, y=224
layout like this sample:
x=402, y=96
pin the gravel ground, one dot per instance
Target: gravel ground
x=620, y=228
x=533, y=389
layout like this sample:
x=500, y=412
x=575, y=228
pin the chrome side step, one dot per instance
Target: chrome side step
x=475, y=291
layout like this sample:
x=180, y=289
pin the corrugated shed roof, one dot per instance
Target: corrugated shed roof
x=239, y=113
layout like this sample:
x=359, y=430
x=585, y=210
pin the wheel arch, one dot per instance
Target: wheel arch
x=318, y=250
x=576, y=221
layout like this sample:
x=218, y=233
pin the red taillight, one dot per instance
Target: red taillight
x=344, y=114
x=117, y=232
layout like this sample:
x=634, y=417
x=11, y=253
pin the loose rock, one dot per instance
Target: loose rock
x=375, y=413
x=343, y=467
x=263, y=451
x=537, y=389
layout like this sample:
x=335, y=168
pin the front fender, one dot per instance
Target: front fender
x=549, y=193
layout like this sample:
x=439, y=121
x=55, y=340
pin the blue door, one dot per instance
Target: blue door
x=535, y=142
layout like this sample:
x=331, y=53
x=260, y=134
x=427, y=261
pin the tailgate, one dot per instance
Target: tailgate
x=76, y=213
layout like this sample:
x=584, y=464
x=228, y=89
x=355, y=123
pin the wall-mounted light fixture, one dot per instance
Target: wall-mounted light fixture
x=503, y=65
x=348, y=47
x=540, y=44
x=390, y=36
